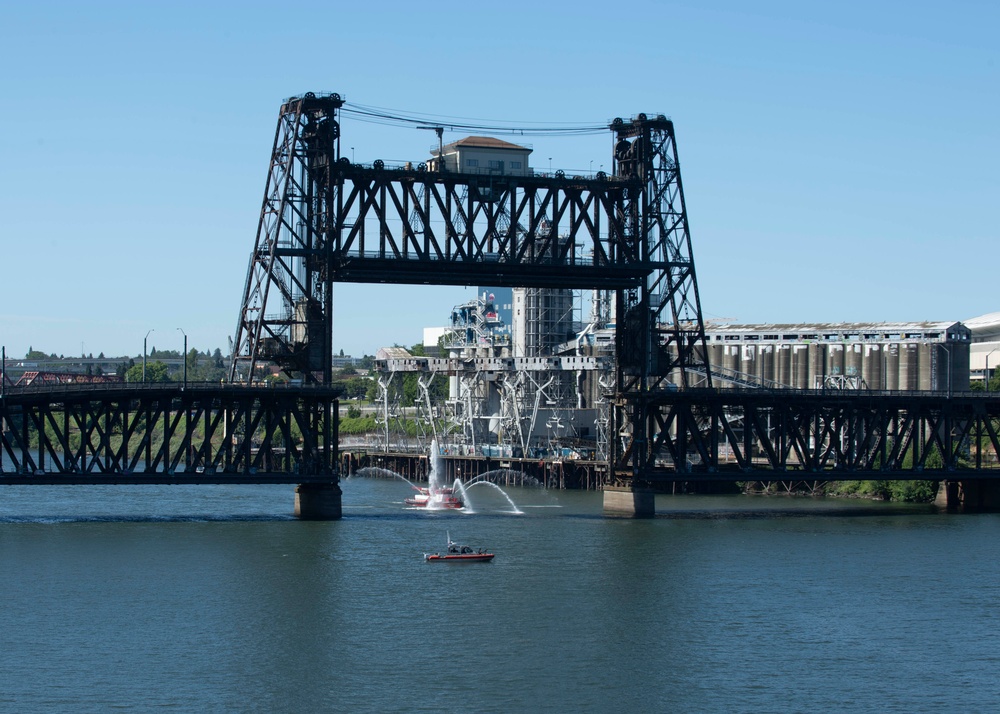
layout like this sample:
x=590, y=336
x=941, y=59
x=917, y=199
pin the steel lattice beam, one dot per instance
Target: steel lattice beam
x=731, y=435
x=168, y=434
x=326, y=220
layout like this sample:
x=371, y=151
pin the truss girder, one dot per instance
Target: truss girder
x=326, y=220
x=701, y=434
x=169, y=435
x=408, y=226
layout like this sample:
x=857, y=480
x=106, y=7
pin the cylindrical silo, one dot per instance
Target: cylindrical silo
x=925, y=368
x=852, y=360
x=817, y=365
x=892, y=366
x=731, y=359
x=784, y=360
x=766, y=362
x=909, y=363
x=748, y=361
x=871, y=366
x=715, y=352
x=835, y=360
x=800, y=366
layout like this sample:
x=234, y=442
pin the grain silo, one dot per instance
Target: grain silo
x=875, y=356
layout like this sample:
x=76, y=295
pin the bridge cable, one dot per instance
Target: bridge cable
x=379, y=115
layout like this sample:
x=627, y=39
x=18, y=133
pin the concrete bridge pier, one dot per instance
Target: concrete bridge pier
x=629, y=502
x=318, y=501
x=969, y=495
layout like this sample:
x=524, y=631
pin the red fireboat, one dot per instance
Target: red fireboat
x=436, y=498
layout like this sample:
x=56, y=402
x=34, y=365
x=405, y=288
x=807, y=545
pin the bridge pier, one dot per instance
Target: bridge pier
x=969, y=495
x=630, y=502
x=318, y=501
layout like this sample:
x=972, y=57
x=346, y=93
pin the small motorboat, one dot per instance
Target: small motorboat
x=436, y=498
x=459, y=554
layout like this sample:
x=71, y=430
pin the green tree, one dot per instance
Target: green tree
x=356, y=387
x=124, y=367
x=155, y=372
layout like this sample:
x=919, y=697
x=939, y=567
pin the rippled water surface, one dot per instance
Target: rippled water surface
x=214, y=598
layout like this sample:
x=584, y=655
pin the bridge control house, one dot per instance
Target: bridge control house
x=481, y=155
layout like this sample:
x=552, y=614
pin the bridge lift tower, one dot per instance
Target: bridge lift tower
x=325, y=219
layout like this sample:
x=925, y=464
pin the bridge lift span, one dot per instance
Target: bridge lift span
x=325, y=219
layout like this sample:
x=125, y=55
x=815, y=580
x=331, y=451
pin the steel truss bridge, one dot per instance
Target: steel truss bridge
x=325, y=220
x=168, y=434
x=734, y=435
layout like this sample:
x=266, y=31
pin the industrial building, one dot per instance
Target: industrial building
x=985, y=350
x=538, y=391
x=878, y=356
x=527, y=372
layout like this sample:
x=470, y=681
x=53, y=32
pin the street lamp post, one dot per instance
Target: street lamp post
x=144, y=355
x=986, y=376
x=185, y=355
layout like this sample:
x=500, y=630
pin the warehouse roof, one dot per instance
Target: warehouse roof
x=840, y=331
x=985, y=327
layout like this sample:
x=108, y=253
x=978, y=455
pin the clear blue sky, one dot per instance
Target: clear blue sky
x=840, y=161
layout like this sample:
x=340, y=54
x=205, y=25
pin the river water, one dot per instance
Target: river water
x=214, y=598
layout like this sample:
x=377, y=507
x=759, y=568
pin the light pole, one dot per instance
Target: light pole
x=352, y=154
x=986, y=376
x=144, y=355
x=550, y=164
x=185, y=354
